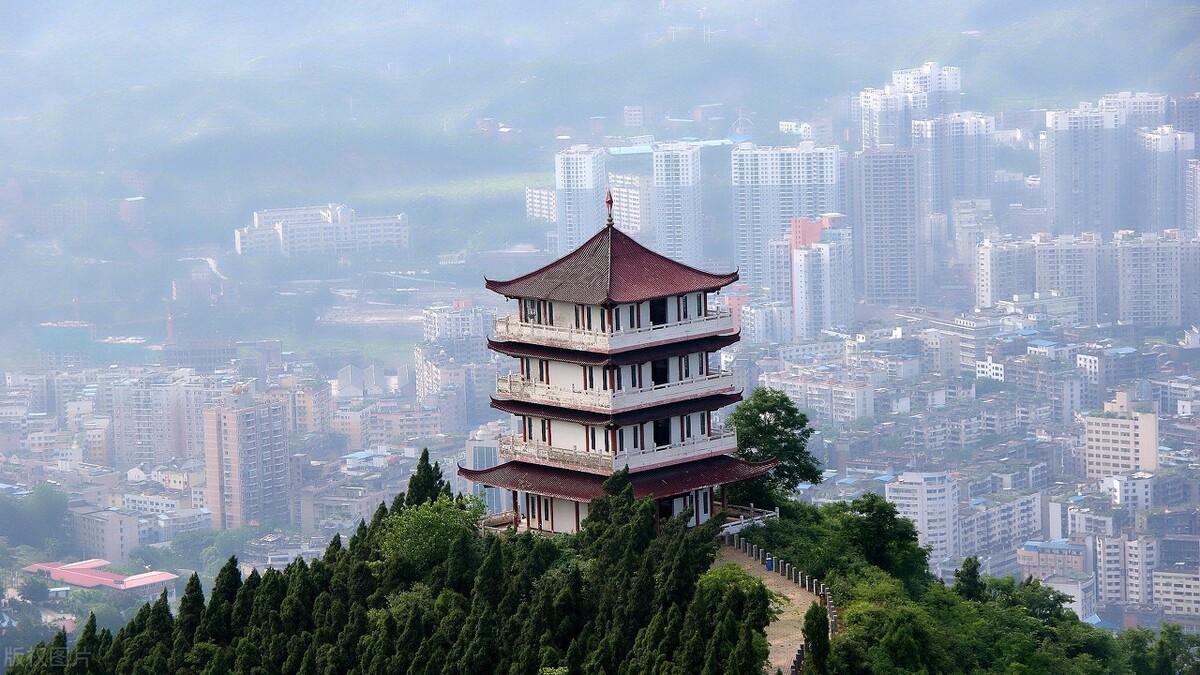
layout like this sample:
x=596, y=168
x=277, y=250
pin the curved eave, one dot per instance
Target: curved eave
x=656, y=483
x=621, y=419
x=526, y=349
x=538, y=479
x=718, y=282
x=610, y=268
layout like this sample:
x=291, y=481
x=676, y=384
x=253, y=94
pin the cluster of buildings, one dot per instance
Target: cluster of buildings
x=244, y=436
x=330, y=229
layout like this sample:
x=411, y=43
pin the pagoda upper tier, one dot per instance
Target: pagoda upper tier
x=611, y=269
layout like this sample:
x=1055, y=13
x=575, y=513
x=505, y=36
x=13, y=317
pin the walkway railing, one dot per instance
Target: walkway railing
x=793, y=574
x=746, y=516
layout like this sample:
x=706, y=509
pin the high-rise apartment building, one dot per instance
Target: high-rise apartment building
x=930, y=500
x=886, y=221
x=957, y=162
x=1149, y=277
x=886, y=116
x=678, y=223
x=1003, y=268
x=1160, y=165
x=1122, y=439
x=145, y=421
x=772, y=186
x=633, y=205
x=1146, y=278
x=246, y=462
x=1125, y=563
x=822, y=282
x=539, y=204
x=579, y=183
x=453, y=322
x=1080, y=167
x=940, y=85
x=1185, y=113
x=1140, y=109
x=1076, y=267
x=1191, y=199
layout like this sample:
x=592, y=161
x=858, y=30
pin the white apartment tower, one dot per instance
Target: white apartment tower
x=1160, y=171
x=1140, y=109
x=1150, y=277
x=823, y=283
x=1080, y=167
x=678, y=223
x=1076, y=267
x=579, y=188
x=772, y=186
x=957, y=162
x=940, y=85
x=930, y=500
x=1191, y=199
x=1125, y=565
x=886, y=116
x=887, y=225
x=1003, y=269
x=1122, y=439
x=633, y=200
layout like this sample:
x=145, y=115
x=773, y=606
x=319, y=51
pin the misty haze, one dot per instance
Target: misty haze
x=547, y=338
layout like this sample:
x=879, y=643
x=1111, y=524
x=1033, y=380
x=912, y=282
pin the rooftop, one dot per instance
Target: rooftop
x=610, y=268
x=87, y=574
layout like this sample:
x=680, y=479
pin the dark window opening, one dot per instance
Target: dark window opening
x=660, y=371
x=658, y=311
x=662, y=432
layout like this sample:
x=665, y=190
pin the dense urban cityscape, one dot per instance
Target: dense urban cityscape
x=987, y=310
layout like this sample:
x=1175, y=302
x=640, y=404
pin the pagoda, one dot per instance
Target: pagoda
x=614, y=346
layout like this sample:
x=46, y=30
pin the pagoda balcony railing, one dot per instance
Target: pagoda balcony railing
x=720, y=442
x=520, y=387
x=534, y=452
x=512, y=329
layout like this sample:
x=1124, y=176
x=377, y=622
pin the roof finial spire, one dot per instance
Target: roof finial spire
x=608, y=203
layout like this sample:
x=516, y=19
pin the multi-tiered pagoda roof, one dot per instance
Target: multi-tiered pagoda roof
x=608, y=269
x=614, y=343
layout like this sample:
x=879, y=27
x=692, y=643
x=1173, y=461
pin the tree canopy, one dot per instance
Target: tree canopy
x=769, y=426
x=896, y=618
x=420, y=591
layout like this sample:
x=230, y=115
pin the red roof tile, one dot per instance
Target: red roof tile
x=578, y=486
x=611, y=268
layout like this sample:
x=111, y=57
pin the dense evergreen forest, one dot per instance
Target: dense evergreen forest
x=421, y=591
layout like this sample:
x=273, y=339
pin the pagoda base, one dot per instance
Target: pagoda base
x=541, y=513
x=550, y=499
